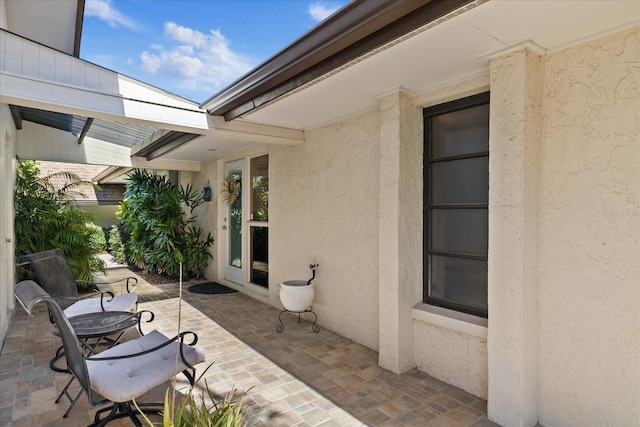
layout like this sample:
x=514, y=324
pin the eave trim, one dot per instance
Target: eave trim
x=358, y=28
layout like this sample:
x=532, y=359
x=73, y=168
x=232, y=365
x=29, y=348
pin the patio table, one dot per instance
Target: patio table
x=100, y=325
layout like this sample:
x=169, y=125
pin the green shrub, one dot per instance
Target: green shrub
x=200, y=407
x=116, y=246
x=105, y=233
x=97, y=242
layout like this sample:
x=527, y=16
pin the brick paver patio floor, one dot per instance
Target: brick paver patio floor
x=293, y=378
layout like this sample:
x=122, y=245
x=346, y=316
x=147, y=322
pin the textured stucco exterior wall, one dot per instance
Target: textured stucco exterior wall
x=400, y=228
x=589, y=307
x=7, y=257
x=515, y=120
x=207, y=213
x=323, y=208
x=452, y=356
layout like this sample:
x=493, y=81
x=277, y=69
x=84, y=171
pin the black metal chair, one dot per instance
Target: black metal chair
x=55, y=276
x=124, y=372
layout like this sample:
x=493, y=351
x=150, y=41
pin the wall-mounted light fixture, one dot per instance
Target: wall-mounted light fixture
x=206, y=192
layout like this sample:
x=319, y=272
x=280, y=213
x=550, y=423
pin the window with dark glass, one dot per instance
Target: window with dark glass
x=456, y=185
x=259, y=217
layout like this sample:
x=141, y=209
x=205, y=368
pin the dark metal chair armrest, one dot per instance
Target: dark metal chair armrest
x=130, y=283
x=104, y=291
x=140, y=314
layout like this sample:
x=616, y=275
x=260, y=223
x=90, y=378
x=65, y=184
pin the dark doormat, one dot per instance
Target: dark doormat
x=210, y=288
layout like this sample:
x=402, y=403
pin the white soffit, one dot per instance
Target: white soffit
x=451, y=51
x=52, y=23
x=207, y=148
x=552, y=24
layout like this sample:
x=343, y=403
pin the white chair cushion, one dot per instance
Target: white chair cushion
x=124, y=379
x=123, y=302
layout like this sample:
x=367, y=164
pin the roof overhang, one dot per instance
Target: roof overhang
x=446, y=43
x=358, y=28
x=57, y=24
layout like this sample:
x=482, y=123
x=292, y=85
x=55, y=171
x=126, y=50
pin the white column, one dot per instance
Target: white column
x=400, y=228
x=7, y=178
x=515, y=125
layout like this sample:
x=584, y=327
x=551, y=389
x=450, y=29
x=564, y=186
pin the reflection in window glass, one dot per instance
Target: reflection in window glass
x=260, y=188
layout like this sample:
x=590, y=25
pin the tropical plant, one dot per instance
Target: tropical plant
x=44, y=218
x=260, y=186
x=116, y=246
x=201, y=408
x=198, y=409
x=97, y=241
x=159, y=225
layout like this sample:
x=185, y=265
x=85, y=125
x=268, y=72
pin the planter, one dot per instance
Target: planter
x=296, y=295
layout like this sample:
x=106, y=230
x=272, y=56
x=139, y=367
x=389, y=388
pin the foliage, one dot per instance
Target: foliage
x=201, y=409
x=261, y=198
x=159, y=225
x=45, y=220
x=105, y=234
x=97, y=241
x=195, y=411
x=116, y=246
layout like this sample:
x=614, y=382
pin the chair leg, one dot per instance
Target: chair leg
x=132, y=414
x=73, y=400
x=124, y=409
x=113, y=410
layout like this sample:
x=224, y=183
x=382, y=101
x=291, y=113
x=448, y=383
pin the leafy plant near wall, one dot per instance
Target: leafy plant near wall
x=157, y=218
x=45, y=220
x=261, y=198
x=116, y=246
x=97, y=240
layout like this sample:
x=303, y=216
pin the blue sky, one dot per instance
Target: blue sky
x=193, y=48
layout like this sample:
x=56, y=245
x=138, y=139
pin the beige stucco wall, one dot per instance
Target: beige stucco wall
x=207, y=212
x=589, y=245
x=563, y=342
x=7, y=177
x=400, y=227
x=323, y=208
x=453, y=356
x=514, y=122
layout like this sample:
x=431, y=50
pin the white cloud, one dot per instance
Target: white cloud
x=319, y=11
x=150, y=62
x=198, y=61
x=103, y=10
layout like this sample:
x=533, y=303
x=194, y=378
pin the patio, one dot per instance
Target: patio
x=295, y=378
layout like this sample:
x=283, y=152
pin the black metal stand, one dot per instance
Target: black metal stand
x=315, y=328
